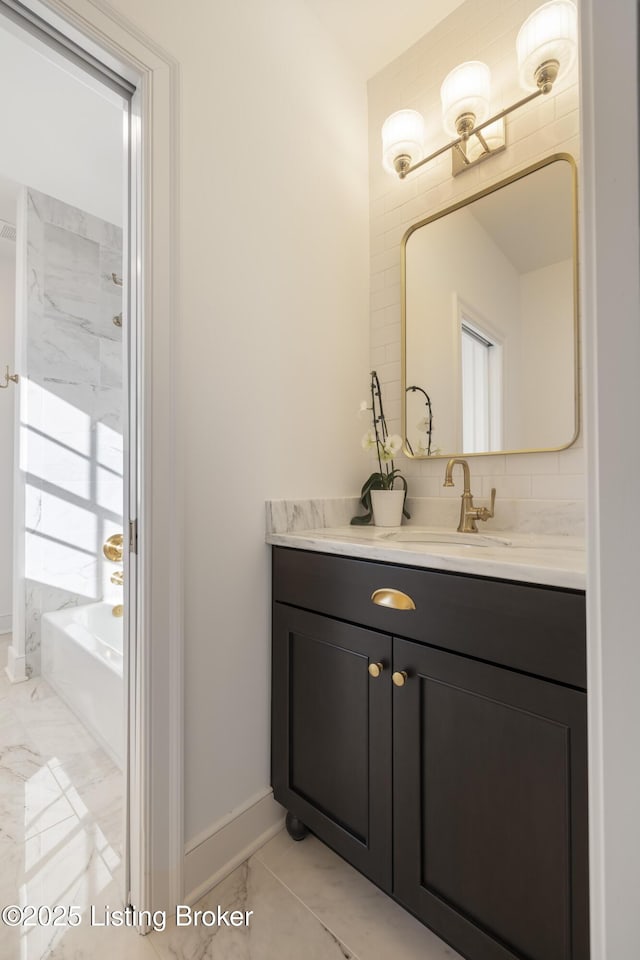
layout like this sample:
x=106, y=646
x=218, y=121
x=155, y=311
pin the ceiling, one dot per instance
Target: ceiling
x=532, y=220
x=374, y=32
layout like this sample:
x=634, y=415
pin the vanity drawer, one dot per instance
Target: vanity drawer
x=536, y=629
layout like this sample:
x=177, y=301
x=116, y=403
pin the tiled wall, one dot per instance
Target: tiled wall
x=71, y=449
x=484, y=30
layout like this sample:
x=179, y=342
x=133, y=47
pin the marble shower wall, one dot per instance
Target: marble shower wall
x=71, y=451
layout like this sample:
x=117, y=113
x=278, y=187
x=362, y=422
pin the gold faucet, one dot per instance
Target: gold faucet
x=468, y=512
x=113, y=550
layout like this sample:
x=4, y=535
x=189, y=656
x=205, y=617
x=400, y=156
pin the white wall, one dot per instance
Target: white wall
x=546, y=297
x=272, y=337
x=7, y=300
x=484, y=30
x=59, y=135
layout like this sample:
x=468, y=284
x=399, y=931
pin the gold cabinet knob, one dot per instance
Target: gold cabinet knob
x=390, y=597
x=113, y=549
x=400, y=677
x=375, y=669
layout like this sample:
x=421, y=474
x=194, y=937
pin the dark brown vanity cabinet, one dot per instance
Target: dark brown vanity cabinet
x=460, y=786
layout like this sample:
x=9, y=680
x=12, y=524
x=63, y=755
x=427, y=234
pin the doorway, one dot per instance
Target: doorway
x=67, y=600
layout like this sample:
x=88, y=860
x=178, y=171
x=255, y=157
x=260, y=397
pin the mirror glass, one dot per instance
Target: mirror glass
x=490, y=320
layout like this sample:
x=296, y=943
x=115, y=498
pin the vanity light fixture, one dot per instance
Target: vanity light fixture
x=546, y=48
x=402, y=140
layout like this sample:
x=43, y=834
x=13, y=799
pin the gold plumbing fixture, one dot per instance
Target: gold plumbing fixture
x=390, y=597
x=375, y=669
x=8, y=378
x=468, y=512
x=113, y=548
x=400, y=677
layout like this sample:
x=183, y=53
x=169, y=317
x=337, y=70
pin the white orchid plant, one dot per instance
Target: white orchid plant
x=387, y=447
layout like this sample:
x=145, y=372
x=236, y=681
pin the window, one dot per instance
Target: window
x=481, y=358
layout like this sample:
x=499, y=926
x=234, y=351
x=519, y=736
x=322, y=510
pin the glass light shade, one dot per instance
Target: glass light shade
x=550, y=33
x=402, y=135
x=466, y=89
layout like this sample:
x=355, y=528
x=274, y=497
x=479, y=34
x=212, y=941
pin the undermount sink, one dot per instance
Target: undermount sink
x=416, y=535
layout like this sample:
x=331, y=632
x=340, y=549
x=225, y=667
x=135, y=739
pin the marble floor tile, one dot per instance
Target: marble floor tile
x=86, y=941
x=61, y=826
x=111, y=943
x=374, y=926
x=280, y=926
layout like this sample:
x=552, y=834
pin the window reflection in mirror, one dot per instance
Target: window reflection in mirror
x=490, y=318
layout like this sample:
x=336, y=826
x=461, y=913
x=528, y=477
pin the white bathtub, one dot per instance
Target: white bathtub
x=82, y=660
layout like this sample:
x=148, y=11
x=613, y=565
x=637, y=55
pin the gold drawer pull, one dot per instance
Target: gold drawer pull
x=396, y=599
x=400, y=677
x=375, y=669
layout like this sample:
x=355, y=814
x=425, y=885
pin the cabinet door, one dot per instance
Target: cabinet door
x=490, y=807
x=331, y=736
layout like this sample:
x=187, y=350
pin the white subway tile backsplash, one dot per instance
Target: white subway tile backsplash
x=392, y=352
x=424, y=487
x=512, y=488
x=486, y=30
x=383, y=261
x=391, y=277
x=377, y=358
x=385, y=297
x=382, y=336
x=392, y=315
x=377, y=282
x=573, y=460
x=559, y=487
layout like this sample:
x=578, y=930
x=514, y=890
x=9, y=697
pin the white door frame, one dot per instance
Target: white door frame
x=610, y=250
x=155, y=702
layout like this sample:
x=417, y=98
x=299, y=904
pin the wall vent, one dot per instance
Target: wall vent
x=7, y=231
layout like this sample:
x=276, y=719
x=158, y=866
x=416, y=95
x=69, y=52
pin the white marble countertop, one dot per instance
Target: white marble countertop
x=557, y=561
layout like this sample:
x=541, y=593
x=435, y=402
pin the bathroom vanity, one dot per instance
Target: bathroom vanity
x=429, y=724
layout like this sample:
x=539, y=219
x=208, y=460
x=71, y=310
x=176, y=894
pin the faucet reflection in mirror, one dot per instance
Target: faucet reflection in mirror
x=386, y=446
x=546, y=48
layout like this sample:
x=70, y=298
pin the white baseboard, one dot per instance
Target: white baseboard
x=216, y=852
x=16, y=668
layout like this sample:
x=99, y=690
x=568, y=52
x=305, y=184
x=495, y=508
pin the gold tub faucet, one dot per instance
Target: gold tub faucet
x=113, y=550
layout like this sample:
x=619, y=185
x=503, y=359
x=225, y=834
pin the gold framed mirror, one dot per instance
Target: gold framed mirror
x=490, y=347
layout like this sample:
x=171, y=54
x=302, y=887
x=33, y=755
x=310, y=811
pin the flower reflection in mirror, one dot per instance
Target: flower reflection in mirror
x=387, y=446
x=426, y=424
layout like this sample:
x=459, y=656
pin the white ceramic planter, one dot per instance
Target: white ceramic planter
x=387, y=507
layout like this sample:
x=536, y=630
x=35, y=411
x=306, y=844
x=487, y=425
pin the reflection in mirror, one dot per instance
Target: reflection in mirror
x=490, y=320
